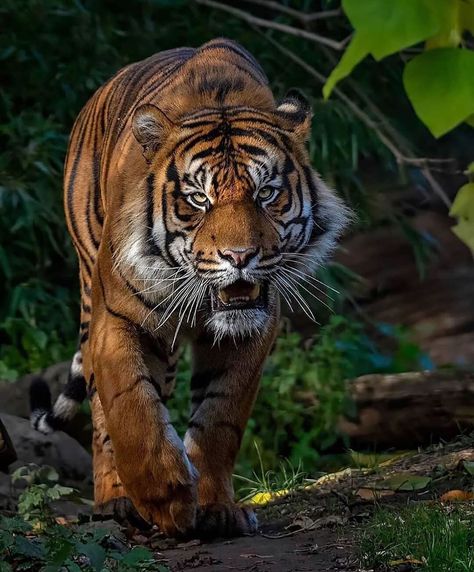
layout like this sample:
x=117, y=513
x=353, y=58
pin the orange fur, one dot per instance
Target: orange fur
x=158, y=130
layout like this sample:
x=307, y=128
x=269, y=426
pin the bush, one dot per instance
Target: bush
x=304, y=392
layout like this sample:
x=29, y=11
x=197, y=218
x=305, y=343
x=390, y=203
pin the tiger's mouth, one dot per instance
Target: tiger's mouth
x=240, y=295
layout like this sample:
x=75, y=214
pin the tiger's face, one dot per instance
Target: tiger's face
x=243, y=215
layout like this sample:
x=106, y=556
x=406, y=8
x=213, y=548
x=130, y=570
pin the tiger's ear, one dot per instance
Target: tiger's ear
x=295, y=114
x=150, y=127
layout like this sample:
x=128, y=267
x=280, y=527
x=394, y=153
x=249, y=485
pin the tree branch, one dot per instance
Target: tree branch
x=399, y=155
x=305, y=17
x=254, y=20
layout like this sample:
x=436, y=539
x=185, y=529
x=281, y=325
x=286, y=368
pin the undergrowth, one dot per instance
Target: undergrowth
x=303, y=391
x=431, y=538
x=33, y=540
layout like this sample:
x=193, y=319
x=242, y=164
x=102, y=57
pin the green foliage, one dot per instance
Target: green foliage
x=463, y=210
x=34, y=504
x=33, y=540
x=433, y=537
x=440, y=82
x=263, y=483
x=304, y=391
x=440, y=85
x=68, y=548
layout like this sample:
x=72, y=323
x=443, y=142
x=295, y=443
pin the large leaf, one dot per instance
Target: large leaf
x=463, y=205
x=440, y=85
x=356, y=52
x=453, y=15
x=392, y=26
x=383, y=28
x=464, y=230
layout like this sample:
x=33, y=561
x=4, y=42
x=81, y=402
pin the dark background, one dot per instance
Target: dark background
x=404, y=282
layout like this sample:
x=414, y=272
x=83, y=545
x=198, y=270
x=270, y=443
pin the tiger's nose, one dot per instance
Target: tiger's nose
x=238, y=257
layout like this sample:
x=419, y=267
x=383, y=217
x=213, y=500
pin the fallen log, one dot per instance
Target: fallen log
x=407, y=410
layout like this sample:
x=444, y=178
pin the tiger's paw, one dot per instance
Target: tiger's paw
x=174, y=515
x=225, y=520
x=122, y=510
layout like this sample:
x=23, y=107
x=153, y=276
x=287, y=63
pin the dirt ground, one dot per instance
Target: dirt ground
x=317, y=529
x=321, y=550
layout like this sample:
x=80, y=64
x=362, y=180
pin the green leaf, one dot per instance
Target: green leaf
x=356, y=52
x=405, y=482
x=470, y=120
x=392, y=26
x=30, y=548
x=463, y=205
x=47, y=474
x=95, y=553
x=137, y=555
x=469, y=466
x=452, y=26
x=467, y=15
x=464, y=230
x=383, y=28
x=440, y=85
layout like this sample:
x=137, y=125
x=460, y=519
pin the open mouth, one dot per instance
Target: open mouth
x=240, y=295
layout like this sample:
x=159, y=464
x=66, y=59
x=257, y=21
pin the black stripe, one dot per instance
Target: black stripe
x=201, y=379
x=195, y=425
x=107, y=307
x=152, y=247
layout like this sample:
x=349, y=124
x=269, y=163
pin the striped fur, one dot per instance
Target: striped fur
x=184, y=181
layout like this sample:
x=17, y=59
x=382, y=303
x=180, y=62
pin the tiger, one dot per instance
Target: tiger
x=192, y=206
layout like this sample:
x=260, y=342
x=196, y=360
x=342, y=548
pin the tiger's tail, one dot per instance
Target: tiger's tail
x=46, y=418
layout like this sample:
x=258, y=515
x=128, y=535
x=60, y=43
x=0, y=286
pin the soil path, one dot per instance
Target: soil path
x=317, y=551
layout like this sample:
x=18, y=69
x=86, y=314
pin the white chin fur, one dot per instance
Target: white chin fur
x=237, y=323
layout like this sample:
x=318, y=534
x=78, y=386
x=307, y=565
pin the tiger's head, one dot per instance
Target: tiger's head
x=238, y=214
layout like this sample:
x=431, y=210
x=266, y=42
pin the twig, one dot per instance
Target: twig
x=305, y=17
x=400, y=140
x=256, y=21
x=400, y=157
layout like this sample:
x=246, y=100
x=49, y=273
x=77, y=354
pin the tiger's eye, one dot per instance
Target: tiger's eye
x=266, y=193
x=199, y=199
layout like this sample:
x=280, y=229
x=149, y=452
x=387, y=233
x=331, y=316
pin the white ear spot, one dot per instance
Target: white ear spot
x=288, y=107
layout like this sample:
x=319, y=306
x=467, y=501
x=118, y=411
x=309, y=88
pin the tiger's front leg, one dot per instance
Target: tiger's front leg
x=150, y=457
x=224, y=387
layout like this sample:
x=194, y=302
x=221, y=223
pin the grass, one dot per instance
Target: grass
x=432, y=538
x=265, y=485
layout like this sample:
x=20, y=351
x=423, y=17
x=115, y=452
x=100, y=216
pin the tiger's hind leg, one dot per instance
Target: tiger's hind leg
x=110, y=497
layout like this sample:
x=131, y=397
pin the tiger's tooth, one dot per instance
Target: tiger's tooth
x=255, y=292
x=223, y=296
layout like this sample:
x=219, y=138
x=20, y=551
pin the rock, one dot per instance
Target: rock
x=14, y=399
x=58, y=450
